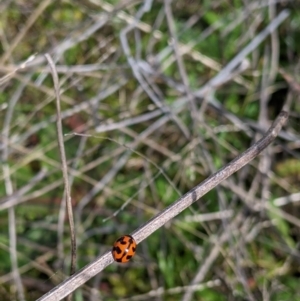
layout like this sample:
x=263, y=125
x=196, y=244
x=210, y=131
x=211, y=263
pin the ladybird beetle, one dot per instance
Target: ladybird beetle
x=124, y=248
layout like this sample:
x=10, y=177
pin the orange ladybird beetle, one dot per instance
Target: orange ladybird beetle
x=124, y=248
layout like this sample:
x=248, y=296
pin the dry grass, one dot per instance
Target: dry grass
x=165, y=94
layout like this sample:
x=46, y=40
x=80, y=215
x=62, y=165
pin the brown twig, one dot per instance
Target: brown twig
x=64, y=166
x=9, y=192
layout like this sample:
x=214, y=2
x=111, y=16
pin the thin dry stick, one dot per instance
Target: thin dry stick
x=139, y=76
x=160, y=292
x=223, y=75
x=86, y=273
x=179, y=60
x=61, y=217
x=9, y=191
x=13, y=199
x=11, y=73
x=64, y=167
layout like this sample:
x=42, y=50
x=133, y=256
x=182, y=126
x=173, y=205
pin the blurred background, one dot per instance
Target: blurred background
x=160, y=94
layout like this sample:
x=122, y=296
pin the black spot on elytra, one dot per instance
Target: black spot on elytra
x=128, y=257
x=117, y=250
